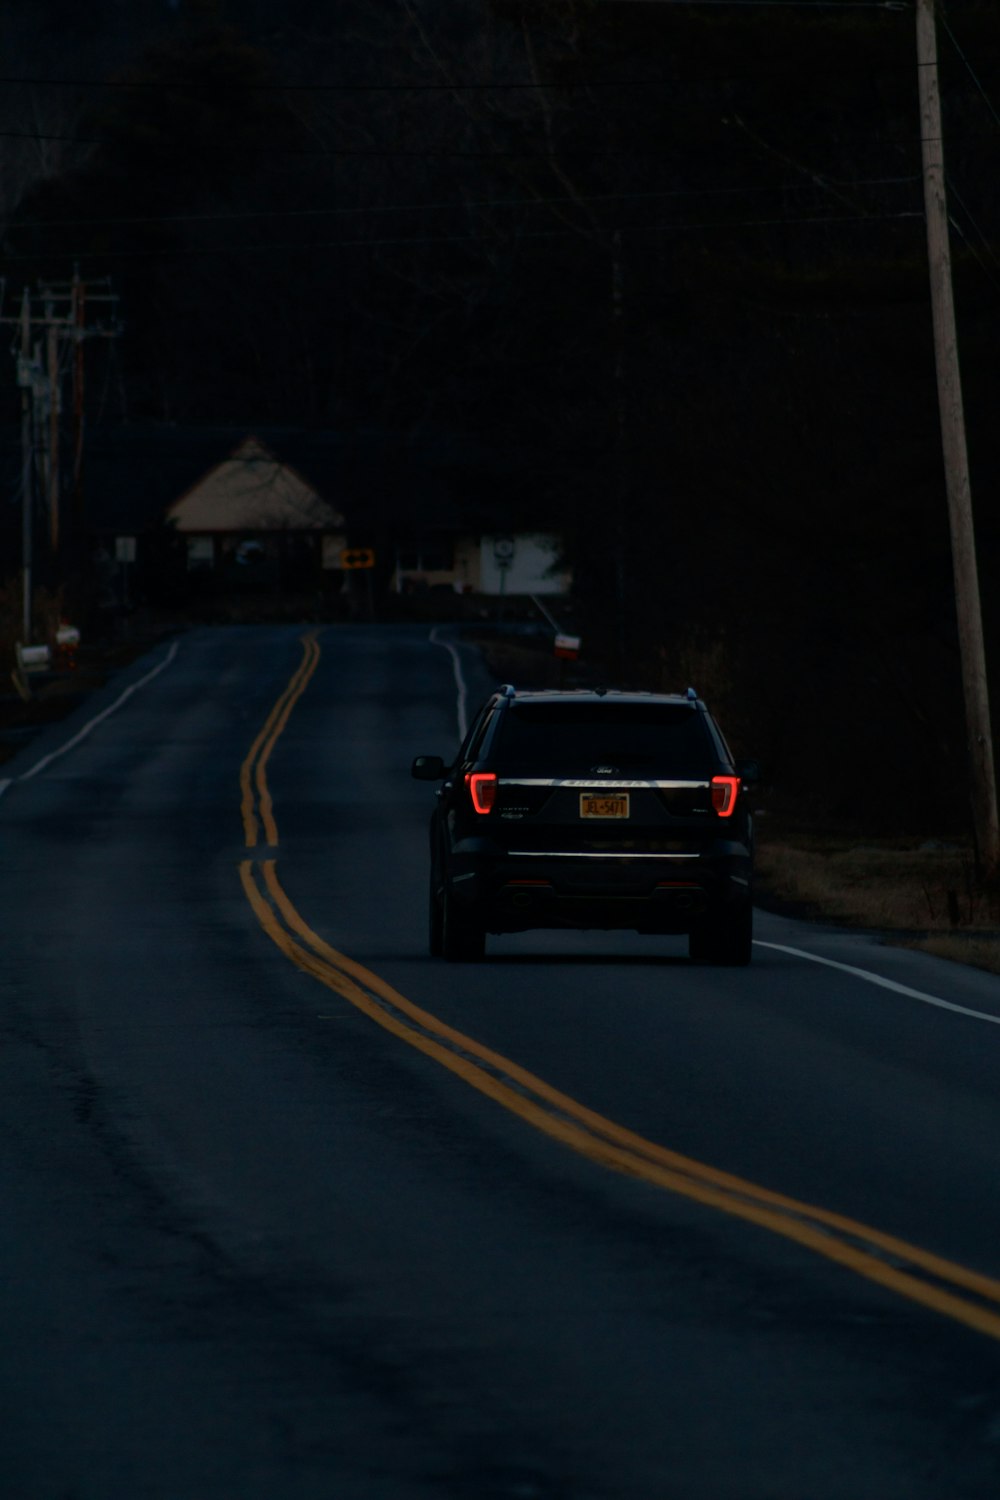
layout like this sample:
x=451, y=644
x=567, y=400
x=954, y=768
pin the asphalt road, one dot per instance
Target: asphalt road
x=292, y=1210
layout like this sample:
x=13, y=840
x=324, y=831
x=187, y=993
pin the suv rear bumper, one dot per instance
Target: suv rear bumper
x=512, y=891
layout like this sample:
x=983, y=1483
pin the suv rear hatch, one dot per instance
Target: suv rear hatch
x=605, y=776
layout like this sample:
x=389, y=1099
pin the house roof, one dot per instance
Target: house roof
x=386, y=480
x=252, y=491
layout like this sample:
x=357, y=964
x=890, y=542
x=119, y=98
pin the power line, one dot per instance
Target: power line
x=974, y=252
x=951, y=185
x=953, y=190
x=969, y=215
x=190, y=85
x=493, y=237
x=972, y=72
x=73, y=140
x=429, y=153
x=216, y=85
x=338, y=151
x=457, y=205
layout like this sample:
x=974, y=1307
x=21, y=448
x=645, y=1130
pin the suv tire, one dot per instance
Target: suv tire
x=724, y=936
x=463, y=939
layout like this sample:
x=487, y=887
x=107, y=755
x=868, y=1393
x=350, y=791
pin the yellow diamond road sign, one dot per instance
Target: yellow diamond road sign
x=357, y=557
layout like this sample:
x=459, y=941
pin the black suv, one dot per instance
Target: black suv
x=592, y=808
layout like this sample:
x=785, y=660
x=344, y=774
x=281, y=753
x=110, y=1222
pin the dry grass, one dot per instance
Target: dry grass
x=980, y=952
x=531, y=663
x=56, y=694
x=927, y=889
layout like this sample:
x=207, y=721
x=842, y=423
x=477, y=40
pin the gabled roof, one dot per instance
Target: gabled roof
x=387, y=480
x=252, y=491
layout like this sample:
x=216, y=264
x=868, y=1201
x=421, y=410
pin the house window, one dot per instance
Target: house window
x=200, y=553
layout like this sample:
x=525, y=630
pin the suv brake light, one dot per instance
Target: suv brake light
x=482, y=789
x=724, y=793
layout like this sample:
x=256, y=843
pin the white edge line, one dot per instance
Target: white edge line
x=885, y=984
x=449, y=646
x=91, y=724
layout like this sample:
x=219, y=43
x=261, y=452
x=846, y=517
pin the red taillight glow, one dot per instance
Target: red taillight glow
x=724, y=793
x=482, y=789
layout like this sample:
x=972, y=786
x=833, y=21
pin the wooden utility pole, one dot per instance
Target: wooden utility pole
x=621, y=482
x=79, y=319
x=24, y=380
x=55, y=407
x=63, y=320
x=956, y=460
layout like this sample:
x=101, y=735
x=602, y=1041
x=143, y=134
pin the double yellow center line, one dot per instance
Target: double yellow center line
x=957, y=1292
x=255, y=796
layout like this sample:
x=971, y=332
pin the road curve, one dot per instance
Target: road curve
x=294, y=1210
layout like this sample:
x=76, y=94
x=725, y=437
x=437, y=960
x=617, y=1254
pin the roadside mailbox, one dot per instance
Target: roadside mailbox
x=32, y=658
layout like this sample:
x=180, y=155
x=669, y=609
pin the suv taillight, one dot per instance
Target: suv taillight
x=725, y=790
x=482, y=789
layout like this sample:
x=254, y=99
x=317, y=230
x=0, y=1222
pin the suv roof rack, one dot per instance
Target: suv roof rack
x=507, y=689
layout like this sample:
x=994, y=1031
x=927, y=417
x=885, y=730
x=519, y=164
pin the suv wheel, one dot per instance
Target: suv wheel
x=463, y=940
x=724, y=936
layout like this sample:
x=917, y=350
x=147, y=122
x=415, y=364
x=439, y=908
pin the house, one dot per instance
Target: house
x=167, y=514
x=254, y=517
x=509, y=563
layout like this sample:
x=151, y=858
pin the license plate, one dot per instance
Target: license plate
x=604, y=805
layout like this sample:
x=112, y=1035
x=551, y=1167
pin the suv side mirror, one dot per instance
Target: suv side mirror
x=428, y=768
x=748, y=771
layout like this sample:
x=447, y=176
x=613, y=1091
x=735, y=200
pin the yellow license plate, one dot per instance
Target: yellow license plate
x=603, y=805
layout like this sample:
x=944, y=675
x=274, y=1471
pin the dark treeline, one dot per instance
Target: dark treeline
x=665, y=262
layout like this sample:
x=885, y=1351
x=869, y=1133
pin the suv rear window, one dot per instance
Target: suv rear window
x=565, y=739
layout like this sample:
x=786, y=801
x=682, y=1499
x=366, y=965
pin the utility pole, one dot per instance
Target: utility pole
x=55, y=408
x=63, y=319
x=66, y=304
x=78, y=315
x=956, y=460
x=24, y=380
x=621, y=481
